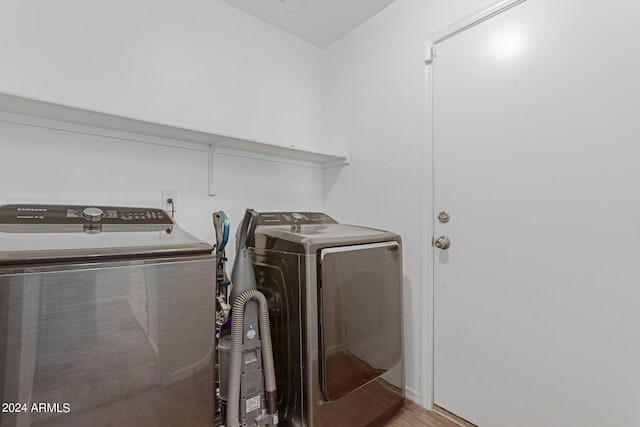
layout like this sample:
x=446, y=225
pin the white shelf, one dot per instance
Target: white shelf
x=58, y=116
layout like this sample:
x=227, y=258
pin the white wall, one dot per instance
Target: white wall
x=376, y=86
x=197, y=63
x=39, y=164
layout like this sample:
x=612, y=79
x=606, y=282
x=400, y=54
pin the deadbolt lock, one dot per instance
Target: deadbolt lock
x=443, y=217
x=442, y=242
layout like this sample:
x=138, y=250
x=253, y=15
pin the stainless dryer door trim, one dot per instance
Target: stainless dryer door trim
x=359, y=295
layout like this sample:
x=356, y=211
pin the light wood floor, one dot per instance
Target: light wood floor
x=413, y=415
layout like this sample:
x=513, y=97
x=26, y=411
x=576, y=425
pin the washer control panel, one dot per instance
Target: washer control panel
x=124, y=215
x=294, y=218
x=55, y=218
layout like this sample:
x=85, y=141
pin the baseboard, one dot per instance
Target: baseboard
x=413, y=395
x=453, y=417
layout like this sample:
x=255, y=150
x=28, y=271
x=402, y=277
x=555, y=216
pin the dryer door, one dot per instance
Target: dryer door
x=360, y=292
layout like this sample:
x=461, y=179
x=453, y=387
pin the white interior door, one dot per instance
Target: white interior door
x=536, y=115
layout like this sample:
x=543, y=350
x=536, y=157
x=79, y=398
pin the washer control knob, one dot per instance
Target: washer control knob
x=93, y=214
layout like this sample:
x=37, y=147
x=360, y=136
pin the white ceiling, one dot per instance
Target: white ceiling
x=320, y=22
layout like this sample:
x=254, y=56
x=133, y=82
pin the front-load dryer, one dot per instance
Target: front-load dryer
x=335, y=303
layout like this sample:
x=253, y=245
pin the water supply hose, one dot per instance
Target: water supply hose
x=235, y=364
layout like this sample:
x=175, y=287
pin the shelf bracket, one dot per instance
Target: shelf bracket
x=213, y=166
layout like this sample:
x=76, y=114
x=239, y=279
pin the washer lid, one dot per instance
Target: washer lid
x=47, y=233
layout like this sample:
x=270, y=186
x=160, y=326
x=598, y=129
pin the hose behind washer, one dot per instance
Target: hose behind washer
x=235, y=364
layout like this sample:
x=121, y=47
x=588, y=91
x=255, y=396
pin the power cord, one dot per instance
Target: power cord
x=173, y=206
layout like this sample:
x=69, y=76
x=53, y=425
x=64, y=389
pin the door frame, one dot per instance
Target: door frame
x=428, y=205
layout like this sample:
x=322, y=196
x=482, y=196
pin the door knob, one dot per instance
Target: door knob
x=442, y=242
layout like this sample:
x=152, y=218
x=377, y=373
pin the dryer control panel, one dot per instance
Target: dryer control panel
x=294, y=218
